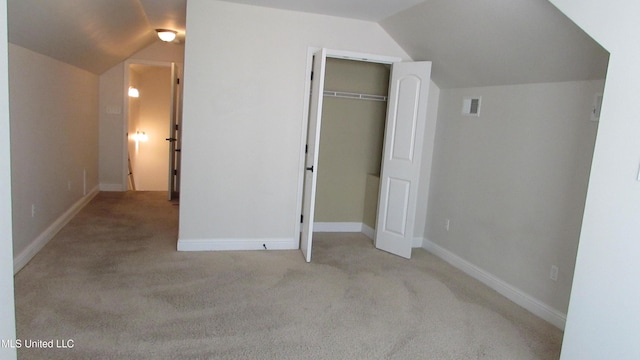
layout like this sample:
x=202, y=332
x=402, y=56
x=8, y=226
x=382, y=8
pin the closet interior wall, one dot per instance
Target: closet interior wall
x=351, y=142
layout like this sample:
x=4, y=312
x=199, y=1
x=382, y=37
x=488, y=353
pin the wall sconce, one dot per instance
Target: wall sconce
x=166, y=34
x=133, y=92
x=140, y=136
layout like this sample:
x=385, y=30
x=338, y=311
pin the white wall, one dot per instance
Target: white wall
x=7, y=312
x=604, y=312
x=112, y=120
x=243, y=115
x=54, y=136
x=513, y=182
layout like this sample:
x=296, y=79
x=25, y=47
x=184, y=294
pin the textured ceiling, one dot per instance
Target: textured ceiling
x=471, y=43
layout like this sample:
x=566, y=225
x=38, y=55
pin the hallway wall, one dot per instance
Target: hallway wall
x=54, y=143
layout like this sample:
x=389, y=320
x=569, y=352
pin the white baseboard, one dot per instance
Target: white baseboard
x=369, y=231
x=337, y=227
x=41, y=240
x=535, y=306
x=236, y=244
x=112, y=187
x=355, y=227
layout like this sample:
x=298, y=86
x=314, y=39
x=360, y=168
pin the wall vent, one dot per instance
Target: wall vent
x=471, y=106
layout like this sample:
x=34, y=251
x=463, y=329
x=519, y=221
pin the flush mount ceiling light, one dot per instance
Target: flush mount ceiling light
x=166, y=34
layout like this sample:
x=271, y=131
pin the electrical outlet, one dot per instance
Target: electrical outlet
x=33, y=210
x=554, y=273
x=446, y=224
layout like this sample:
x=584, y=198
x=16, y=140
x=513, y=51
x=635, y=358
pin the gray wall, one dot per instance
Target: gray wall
x=7, y=312
x=54, y=140
x=351, y=139
x=513, y=182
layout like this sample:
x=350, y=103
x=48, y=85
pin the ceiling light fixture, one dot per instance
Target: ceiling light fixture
x=166, y=34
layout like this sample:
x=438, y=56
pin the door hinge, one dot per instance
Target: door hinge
x=175, y=172
x=178, y=81
x=301, y=218
x=177, y=127
x=306, y=149
x=312, y=76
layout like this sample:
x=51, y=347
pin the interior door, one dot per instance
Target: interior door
x=173, y=134
x=313, y=143
x=404, y=135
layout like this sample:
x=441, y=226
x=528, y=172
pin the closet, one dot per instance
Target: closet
x=351, y=144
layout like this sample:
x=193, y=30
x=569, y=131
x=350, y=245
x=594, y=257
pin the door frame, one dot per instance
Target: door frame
x=125, y=111
x=331, y=53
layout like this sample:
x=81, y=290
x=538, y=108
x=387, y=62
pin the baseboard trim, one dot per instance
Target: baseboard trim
x=337, y=227
x=112, y=187
x=41, y=240
x=355, y=227
x=368, y=231
x=418, y=242
x=533, y=305
x=236, y=244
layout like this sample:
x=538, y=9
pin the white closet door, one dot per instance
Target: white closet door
x=404, y=135
x=313, y=144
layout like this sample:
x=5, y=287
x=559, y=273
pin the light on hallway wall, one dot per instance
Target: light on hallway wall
x=133, y=92
x=140, y=136
x=166, y=34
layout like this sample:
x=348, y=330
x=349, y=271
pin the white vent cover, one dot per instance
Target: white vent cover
x=597, y=106
x=471, y=106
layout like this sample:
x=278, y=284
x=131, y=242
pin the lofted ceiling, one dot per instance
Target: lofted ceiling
x=92, y=34
x=471, y=43
x=497, y=42
x=370, y=10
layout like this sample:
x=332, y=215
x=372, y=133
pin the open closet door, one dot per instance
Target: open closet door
x=404, y=135
x=313, y=143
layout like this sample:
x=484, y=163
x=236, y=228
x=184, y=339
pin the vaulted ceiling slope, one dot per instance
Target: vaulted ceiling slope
x=497, y=42
x=370, y=10
x=471, y=43
x=93, y=35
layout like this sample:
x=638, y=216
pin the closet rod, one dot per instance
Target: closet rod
x=348, y=95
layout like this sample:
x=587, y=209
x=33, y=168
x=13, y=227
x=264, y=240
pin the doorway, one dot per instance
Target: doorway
x=153, y=141
x=402, y=149
x=350, y=158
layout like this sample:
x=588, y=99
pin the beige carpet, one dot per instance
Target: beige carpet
x=113, y=283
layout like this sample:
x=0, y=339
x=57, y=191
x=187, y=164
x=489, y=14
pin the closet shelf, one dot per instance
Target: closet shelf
x=348, y=95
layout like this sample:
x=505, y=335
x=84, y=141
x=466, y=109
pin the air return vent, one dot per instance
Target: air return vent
x=471, y=106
